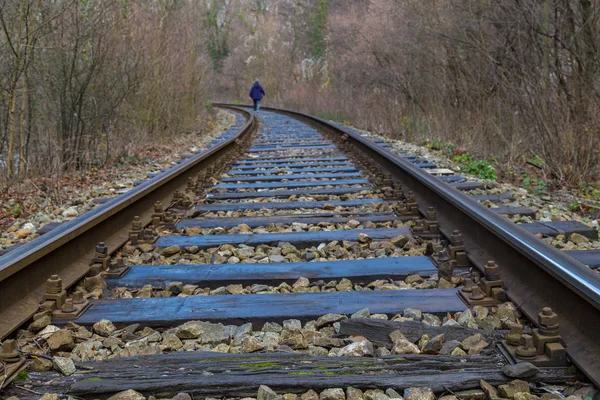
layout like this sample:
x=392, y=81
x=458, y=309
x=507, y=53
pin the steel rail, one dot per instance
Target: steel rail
x=68, y=249
x=536, y=274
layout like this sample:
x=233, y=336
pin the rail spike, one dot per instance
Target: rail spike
x=487, y=291
x=457, y=249
x=542, y=347
x=427, y=226
x=11, y=362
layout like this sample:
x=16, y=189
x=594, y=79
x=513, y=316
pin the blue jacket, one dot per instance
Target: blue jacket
x=257, y=92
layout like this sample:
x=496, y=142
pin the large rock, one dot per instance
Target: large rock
x=353, y=393
x=471, y=394
x=362, y=348
x=171, y=251
x=466, y=319
x=40, y=364
x=127, y=395
x=448, y=346
x=266, y=393
x=329, y=319
x=170, y=341
x=40, y=323
x=474, y=344
x=251, y=344
x=490, y=391
x=310, y=395
x=182, y=396
x=392, y=394
x=418, y=393
x=332, y=394
x=104, y=327
x=375, y=394
x=509, y=390
x=61, y=341
x=434, y=345
x=528, y=396
x=64, y=365
x=520, y=370
x=404, y=346
x=412, y=313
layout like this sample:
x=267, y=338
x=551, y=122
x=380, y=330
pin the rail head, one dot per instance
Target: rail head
x=67, y=250
x=536, y=274
x=570, y=271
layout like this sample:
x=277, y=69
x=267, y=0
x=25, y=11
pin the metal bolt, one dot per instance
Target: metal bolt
x=54, y=285
x=468, y=287
x=492, y=272
x=430, y=214
x=456, y=238
x=443, y=256
x=514, y=337
x=68, y=306
x=158, y=207
x=136, y=224
x=101, y=250
x=78, y=297
x=548, y=321
x=526, y=350
x=477, y=293
x=9, y=352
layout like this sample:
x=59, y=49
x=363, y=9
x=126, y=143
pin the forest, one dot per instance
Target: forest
x=83, y=81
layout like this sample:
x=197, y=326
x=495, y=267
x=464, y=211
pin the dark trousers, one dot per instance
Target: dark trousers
x=256, y=104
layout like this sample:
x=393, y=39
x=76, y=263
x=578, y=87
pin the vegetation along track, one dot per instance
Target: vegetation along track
x=290, y=230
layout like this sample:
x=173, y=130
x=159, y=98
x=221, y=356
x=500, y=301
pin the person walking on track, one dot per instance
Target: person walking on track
x=256, y=94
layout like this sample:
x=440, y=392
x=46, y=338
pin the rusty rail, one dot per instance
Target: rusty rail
x=536, y=274
x=66, y=250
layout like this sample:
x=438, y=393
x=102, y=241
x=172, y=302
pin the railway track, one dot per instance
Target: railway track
x=301, y=257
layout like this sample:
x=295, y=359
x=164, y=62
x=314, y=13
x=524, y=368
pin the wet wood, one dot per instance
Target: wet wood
x=286, y=193
x=591, y=258
x=552, y=229
x=286, y=160
x=313, y=183
x=378, y=331
x=294, y=165
x=451, y=179
x=259, y=308
x=282, y=177
x=298, y=239
x=494, y=198
x=236, y=172
x=425, y=165
x=204, y=374
x=505, y=210
x=468, y=185
x=284, y=205
x=277, y=148
x=216, y=275
x=253, y=222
